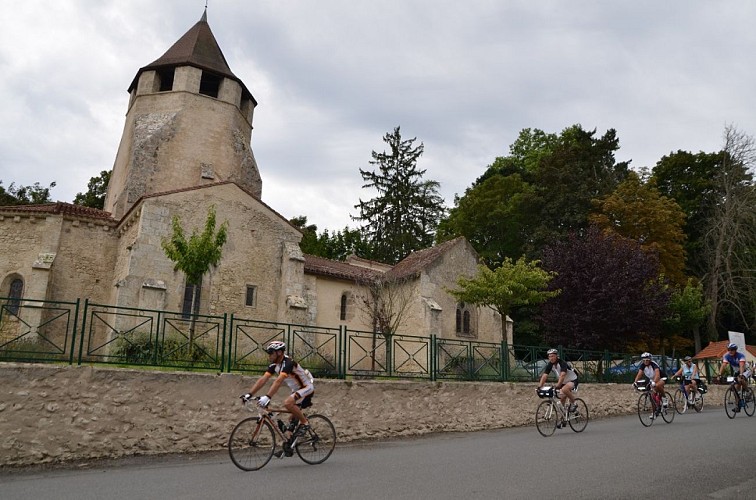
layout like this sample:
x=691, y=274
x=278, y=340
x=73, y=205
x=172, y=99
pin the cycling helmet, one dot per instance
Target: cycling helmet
x=276, y=345
x=646, y=355
x=552, y=351
x=687, y=358
x=731, y=346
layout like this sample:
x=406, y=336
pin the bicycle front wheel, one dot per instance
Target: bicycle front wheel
x=578, y=419
x=668, y=410
x=698, y=404
x=546, y=418
x=251, y=444
x=646, y=409
x=316, y=445
x=731, y=403
x=681, y=401
x=750, y=406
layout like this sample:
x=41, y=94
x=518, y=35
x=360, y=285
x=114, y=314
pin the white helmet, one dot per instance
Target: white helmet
x=552, y=351
x=276, y=345
x=646, y=355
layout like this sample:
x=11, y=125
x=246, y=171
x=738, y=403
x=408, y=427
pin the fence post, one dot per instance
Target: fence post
x=432, y=360
x=73, y=336
x=343, y=354
x=83, y=329
x=223, y=344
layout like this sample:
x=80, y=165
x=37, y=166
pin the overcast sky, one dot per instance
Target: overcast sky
x=332, y=77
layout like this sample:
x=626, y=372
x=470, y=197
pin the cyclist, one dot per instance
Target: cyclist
x=689, y=372
x=296, y=377
x=737, y=362
x=650, y=370
x=567, y=378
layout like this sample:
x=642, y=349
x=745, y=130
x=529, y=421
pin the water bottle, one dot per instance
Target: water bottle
x=281, y=425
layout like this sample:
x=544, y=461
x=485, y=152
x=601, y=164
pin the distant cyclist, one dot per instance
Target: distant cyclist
x=297, y=378
x=650, y=370
x=689, y=372
x=736, y=361
x=567, y=378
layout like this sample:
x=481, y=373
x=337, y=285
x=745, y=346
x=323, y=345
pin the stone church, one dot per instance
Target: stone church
x=186, y=147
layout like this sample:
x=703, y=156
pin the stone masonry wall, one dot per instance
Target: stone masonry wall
x=56, y=414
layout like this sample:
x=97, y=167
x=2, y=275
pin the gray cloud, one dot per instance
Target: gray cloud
x=333, y=77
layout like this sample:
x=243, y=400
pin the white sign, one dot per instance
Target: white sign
x=739, y=339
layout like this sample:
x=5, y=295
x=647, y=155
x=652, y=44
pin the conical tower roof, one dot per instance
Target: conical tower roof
x=197, y=48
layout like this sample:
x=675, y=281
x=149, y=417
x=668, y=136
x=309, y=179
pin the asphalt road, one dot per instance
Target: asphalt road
x=702, y=455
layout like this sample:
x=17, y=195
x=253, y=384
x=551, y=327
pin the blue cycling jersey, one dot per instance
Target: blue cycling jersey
x=734, y=360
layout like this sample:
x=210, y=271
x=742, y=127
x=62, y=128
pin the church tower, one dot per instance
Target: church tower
x=189, y=123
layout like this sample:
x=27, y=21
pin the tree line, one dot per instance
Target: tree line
x=656, y=259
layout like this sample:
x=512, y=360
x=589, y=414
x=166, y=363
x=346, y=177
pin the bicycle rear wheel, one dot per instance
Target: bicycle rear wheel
x=316, y=445
x=750, y=404
x=646, y=409
x=546, y=418
x=681, y=402
x=578, y=419
x=251, y=444
x=731, y=403
x=668, y=412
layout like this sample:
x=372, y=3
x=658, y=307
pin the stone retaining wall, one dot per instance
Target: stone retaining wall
x=55, y=414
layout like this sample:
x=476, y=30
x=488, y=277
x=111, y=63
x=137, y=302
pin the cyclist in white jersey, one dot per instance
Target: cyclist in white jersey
x=567, y=379
x=289, y=371
x=689, y=372
x=653, y=372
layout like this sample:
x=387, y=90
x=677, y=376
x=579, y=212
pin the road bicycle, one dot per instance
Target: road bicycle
x=552, y=414
x=253, y=441
x=684, y=399
x=651, y=405
x=736, y=400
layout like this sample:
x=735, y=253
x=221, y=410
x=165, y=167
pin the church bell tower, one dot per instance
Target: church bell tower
x=189, y=123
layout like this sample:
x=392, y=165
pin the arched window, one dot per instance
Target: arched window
x=343, y=310
x=16, y=292
x=464, y=321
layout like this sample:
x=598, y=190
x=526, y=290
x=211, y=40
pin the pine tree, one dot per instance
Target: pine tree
x=404, y=215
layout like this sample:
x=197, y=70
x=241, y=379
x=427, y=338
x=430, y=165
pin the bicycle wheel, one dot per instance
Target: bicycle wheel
x=251, y=444
x=578, y=419
x=681, y=402
x=668, y=412
x=750, y=404
x=546, y=418
x=645, y=409
x=731, y=403
x=316, y=445
x=698, y=404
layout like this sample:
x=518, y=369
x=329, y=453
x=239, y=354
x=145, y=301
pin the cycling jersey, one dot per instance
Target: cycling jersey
x=734, y=361
x=687, y=371
x=650, y=369
x=296, y=377
x=561, y=366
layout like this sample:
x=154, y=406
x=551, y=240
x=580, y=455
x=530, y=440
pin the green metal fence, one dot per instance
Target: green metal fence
x=57, y=331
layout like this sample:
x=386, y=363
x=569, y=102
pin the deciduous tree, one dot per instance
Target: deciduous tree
x=511, y=285
x=25, y=195
x=195, y=256
x=611, y=294
x=96, y=191
x=637, y=210
x=730, y=237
